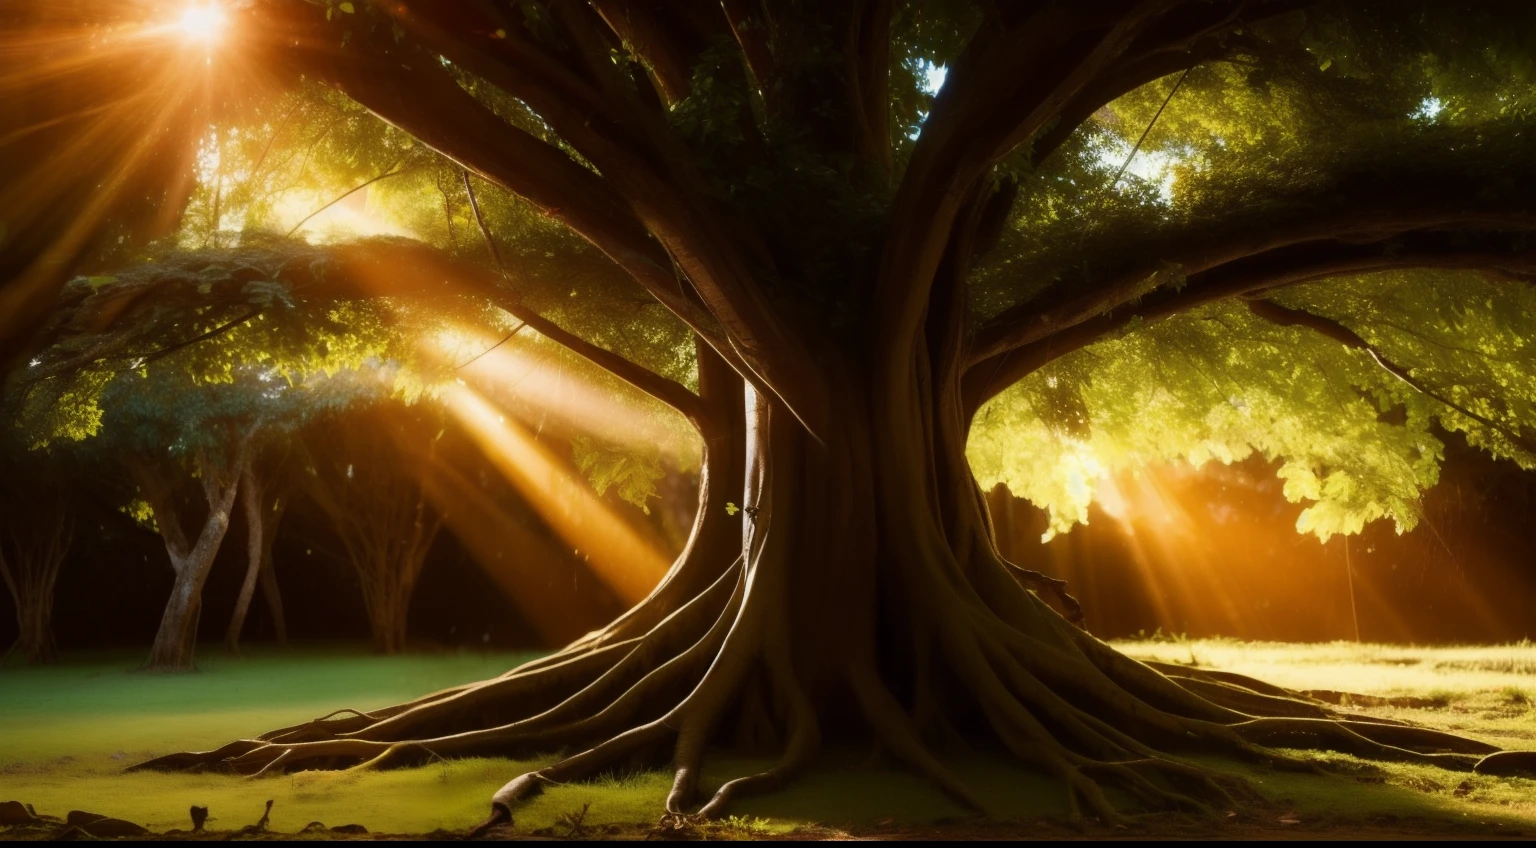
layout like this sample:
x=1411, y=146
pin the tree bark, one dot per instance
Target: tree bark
x=268, y=578
x=175, y=642
x=263, y=515
x=853, y=591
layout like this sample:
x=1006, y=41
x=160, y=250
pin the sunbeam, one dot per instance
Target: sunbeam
x=616, y=553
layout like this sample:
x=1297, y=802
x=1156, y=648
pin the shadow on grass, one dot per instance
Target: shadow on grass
x=67, y=732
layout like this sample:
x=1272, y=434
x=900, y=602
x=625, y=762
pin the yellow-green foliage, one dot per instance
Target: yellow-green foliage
x=224, y=341
x=66, y=407
x=1219, y=384
x=633, y=475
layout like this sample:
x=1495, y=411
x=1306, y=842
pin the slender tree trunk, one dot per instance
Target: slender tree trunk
x=389, y=606
x=254, y=500
x=261, y=521
x=389, y=559
x=176, y=639
x=268, y=577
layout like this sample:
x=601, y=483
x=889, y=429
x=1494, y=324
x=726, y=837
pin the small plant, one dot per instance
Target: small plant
x=574, y=823
x=1514, y=696
x=746, y=825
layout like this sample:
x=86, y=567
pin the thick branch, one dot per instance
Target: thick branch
x=1005, y=86
x=642, y=165
x=156, y=491
x=1383, y=210
x=432, y=107
x=868, y=58
x=1266, y=271
x=652, y=43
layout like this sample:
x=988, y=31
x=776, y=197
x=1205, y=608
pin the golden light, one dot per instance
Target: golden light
x=203, y=24
x=617, y=554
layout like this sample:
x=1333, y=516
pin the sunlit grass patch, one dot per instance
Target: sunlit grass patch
x=67, y=732
x=1442, y=673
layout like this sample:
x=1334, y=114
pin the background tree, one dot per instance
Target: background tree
x=367, y=476
x=264, y=501
x=36, y=532
x=194, y=382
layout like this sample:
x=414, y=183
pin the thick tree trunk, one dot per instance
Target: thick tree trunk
x=175, y=642
x=853, y=593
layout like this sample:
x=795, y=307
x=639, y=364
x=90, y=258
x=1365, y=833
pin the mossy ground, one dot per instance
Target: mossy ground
x=67, y=732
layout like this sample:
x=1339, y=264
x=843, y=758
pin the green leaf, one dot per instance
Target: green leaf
x=731, y=509
x=347, y=7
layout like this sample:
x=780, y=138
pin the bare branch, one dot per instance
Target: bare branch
x=386, y=174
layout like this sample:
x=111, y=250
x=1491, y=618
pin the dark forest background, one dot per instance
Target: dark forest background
x=1467, y=573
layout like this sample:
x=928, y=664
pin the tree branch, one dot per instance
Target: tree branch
x=1284, y=316
x=1369, y=208
x=1291, y=265
x=652, y=43
x=156, y=491
x=751, y=33
x=642, y=192
x=867, y=58
x=1005, y=85
x=1044, y=74
x=387, y=173
x=669, y=392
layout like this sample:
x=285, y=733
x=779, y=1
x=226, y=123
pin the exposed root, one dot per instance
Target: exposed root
x=1072, y=609
x=1110, y=729
x=890, y=721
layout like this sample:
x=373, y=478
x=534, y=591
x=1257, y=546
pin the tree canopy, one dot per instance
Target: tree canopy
x=1078, y=236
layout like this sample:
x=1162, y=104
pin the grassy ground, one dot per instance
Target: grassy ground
x=67, y=732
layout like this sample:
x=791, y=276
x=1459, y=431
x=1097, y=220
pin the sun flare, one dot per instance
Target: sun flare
x=203, y=24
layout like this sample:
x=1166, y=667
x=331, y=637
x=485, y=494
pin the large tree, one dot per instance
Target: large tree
x=867, y=262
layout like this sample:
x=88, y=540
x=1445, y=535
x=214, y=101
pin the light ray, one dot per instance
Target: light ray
x=615, y=551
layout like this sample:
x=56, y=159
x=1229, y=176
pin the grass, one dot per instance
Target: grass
x=66, y=733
